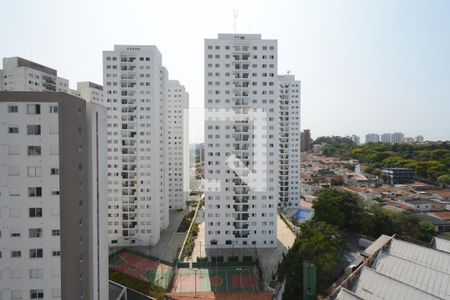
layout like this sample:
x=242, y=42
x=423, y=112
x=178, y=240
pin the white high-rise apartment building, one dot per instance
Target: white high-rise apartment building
x=23, y=75
x=241, y=84
x=372, y=138
x=289, y=137
x=397, y=137
x=356, y=139
x=52, y=197
x=134, y=91
x=386, y=138
x=91, y=92
x=177, y=143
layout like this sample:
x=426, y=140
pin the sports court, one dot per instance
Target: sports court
x=217, y=279
x=141, y=267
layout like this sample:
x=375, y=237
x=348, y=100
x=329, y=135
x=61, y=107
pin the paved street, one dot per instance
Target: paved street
x=170, y=240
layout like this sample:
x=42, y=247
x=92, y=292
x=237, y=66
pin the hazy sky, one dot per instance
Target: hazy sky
x=365, y=66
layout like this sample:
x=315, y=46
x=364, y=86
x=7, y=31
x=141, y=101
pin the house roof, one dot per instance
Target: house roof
x=441, y=244
x=398, y=270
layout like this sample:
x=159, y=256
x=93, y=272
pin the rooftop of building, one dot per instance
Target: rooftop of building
x=11, y=62
x=397, y=269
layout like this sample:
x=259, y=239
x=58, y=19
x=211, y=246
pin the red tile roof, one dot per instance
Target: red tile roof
x=444, y=215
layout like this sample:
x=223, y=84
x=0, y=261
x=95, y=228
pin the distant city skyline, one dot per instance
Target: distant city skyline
x=372, y=66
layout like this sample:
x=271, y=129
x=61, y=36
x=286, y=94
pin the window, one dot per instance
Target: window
x=33, y=109
x=16, y=295
x=34, y=171
x=13, y=108
x=56, y=253
x=13, y=171
x=54, y=171
x=55, y=232
x=35, y=192
x=35, y=212
x=16, y=253
x=53, y=109
x=34, y=129
x=36, y=273
x=15, y=234
x=36, y=294
x=13, y=150
x=35, y=232
x=34, y=150
x=13, y=129
x=36, y=253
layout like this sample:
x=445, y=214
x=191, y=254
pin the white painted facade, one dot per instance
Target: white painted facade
x=32, y=204
x=289, y=137
x=23, y=75
x=134, y=91
x=397, y=137
x=91, y=92
x=240, y=80
x=372, y=138
x=386, y=138
x=177, y=142
x=29, y=222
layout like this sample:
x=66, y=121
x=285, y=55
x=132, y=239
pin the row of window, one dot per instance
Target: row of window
x=33, y=129
x=32, y=109
x=239, y=48
x=32, y=233
x=31, y=171
x=33, y=253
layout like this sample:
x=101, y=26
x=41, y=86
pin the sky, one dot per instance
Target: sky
x=365, y=66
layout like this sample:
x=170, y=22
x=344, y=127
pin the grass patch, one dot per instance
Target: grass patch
x=190, y=242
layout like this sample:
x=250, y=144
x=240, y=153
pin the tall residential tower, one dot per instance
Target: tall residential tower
x=52, y=197
x=289, y=139
x=241, y=153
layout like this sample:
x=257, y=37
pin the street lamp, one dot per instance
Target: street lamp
x=195, y=281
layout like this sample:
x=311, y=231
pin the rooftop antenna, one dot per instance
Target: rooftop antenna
x=288, y=72
x=235, y=16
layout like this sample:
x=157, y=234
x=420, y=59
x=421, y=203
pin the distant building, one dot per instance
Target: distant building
x=356, y=139
x=397, y=137
x=305, y=140
x=398, y=175
x=372, y=138
x=419, y=139
x=23, y=75
x=408, y=140
x=386, y=138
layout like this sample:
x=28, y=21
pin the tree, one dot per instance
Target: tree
x=427, y=230
x=319, y=243
x=444, y=179
x=339, y=208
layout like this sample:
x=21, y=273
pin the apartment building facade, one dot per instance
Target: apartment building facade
x=20, y=74
x=372, y=138
x=52, y=154
x=134, y=92
x=241, y=155
x=289, y=141
x=177, y=141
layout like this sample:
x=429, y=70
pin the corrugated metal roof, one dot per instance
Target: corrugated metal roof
x=441, y=244
x=376, y=245
x=345, y=294
x=372, y=285
x=426, y=279
x=420, y=255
